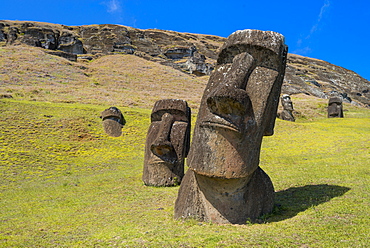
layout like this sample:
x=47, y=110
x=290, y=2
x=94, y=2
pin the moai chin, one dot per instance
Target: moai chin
x=113, y=121
x=224, y=183
x=335, y=108
x=167, y=143
x=287, y=113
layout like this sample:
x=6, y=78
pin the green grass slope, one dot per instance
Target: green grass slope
x=65, y=183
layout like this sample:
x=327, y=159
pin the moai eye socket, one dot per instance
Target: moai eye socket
x=178, y=115
x=226, y=106
x=234, y=108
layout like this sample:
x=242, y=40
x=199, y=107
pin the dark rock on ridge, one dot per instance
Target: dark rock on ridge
x=66, y=55
x=191, y=53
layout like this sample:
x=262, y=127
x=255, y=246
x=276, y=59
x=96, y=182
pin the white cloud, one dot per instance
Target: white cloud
x=303, y=51
x=113, y=6
x=319, y=18
x=313, y=30
x=323, y=9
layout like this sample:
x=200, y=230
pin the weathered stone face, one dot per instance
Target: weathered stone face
x=167, y=143
x=239, y=105
x=113, y=121
x=238, y=108
x=335, y=108
x=287, y=113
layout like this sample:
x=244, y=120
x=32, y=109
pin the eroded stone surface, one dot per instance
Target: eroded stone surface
x=167, y=143
x=224, y=183
x=113, y=121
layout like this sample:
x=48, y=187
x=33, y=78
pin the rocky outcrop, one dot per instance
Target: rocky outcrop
x=48, y=36
x=322, y=79
x=186, y=52
x=191, y=53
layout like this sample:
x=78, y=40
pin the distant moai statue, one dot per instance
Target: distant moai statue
x=287, y=113
x=224, y=183
x=113, y=121
x=335, y=107
x=167, y=143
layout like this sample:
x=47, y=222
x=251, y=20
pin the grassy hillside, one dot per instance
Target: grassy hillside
x=65, y=183
x=126, y=80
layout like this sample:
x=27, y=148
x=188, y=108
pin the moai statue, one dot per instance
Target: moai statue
x=335, y=108
x=287, y=113
x=113, y=121
x=224, y=183
x=167, y=143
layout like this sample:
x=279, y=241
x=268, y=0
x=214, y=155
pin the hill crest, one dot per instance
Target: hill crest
x=189, y=53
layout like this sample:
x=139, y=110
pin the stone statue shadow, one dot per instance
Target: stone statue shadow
x=289, y=202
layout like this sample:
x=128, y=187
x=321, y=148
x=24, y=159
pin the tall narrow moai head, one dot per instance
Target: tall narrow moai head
x=224, y=183
x=287, y=113
x=239, y=104
x=287, y=103
x=335, y=108
x=113, y=121
x=167, y=143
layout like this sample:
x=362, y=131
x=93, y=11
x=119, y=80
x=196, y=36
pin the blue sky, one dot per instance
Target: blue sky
x=337, y=31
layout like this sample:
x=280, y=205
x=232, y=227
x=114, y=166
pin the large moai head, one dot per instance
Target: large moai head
x=239, y=105
x=335, y=108
x=167, y=143
x=224, y=183
x=113, y=121
x=287, y=113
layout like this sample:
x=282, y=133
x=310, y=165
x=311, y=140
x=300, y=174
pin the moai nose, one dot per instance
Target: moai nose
x=162, y=144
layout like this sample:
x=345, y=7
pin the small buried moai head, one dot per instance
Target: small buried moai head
x=167, y=143
x=287, y=102
x=113, y=121
x=239, y=105
x=335, y=108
